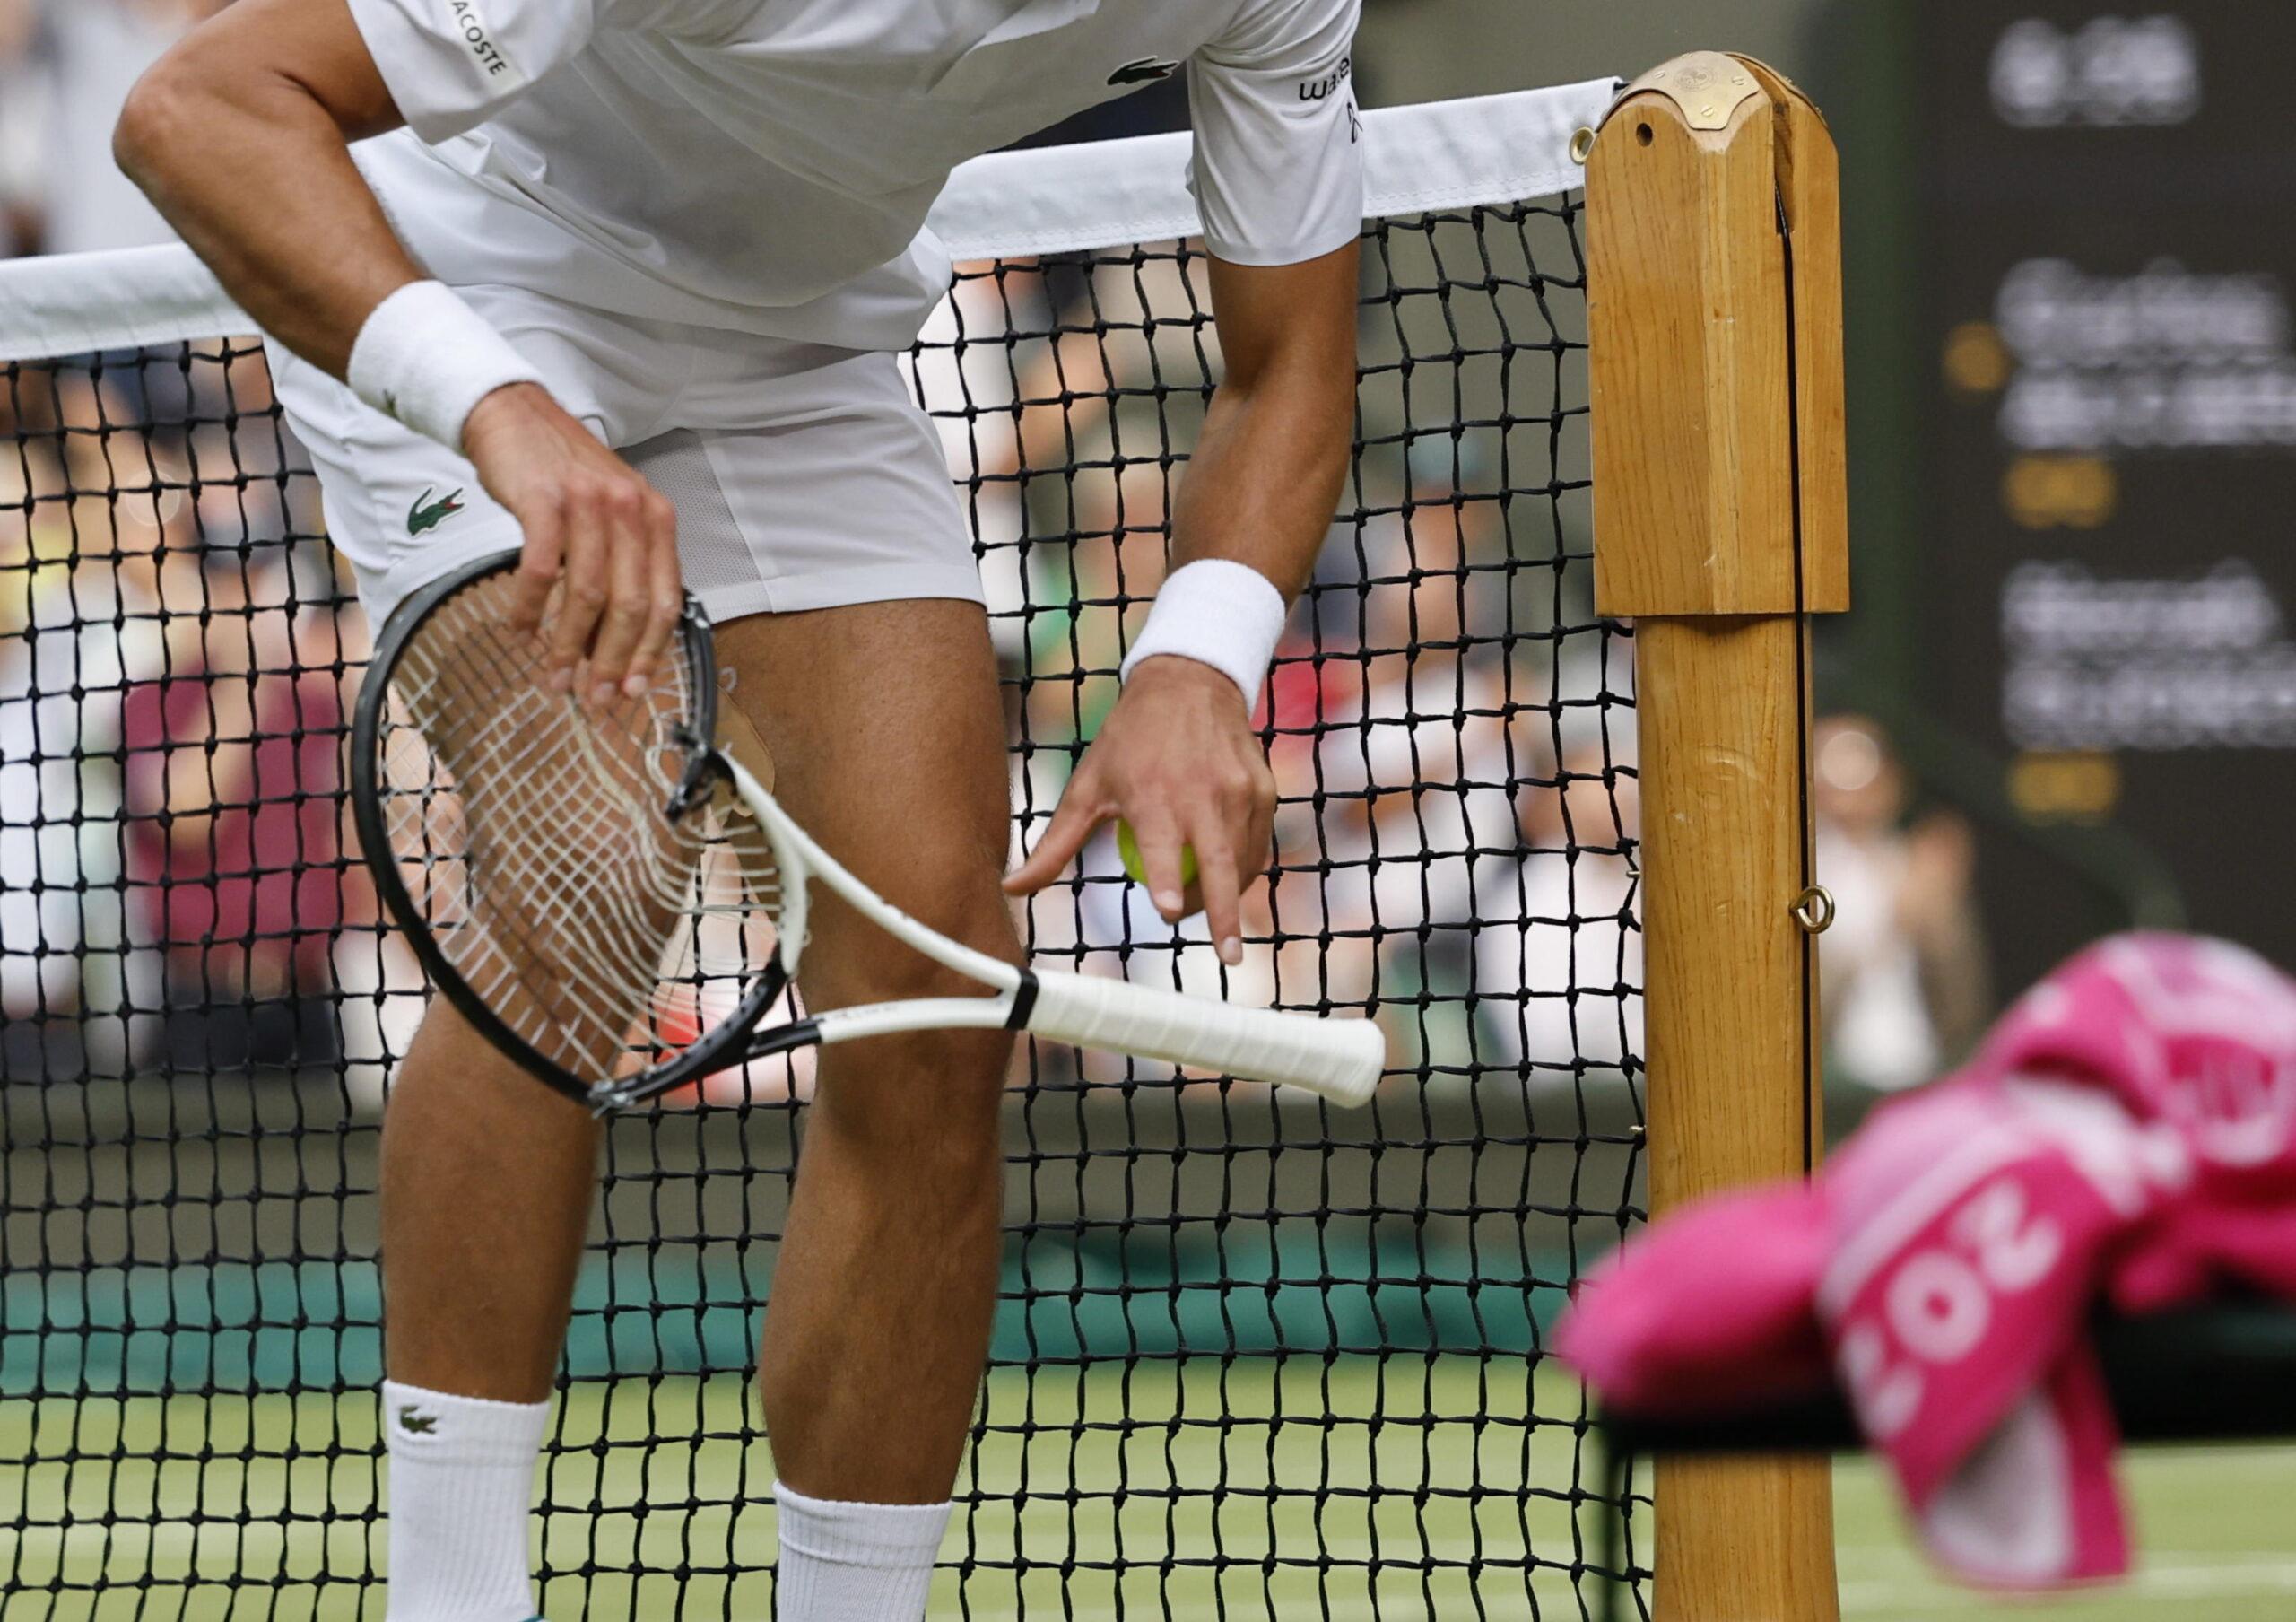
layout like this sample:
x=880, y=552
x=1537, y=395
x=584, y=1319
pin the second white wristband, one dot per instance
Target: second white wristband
x=1225, y=614
x=428, y=358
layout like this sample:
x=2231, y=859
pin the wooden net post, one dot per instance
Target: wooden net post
x=1713, y=291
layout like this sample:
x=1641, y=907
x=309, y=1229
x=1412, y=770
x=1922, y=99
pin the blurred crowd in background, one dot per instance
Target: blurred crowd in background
x=1452, y=728
x=177, y=662
x=65, y=67
x=176, y=659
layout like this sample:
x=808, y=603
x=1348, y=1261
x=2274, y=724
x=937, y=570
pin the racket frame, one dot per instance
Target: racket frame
x=1340, y=1060
x=716, y=1048
x=801, y=860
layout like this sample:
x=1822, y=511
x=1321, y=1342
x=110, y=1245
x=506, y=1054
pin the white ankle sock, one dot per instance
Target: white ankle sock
x=855, y=1562
x=462, y=1484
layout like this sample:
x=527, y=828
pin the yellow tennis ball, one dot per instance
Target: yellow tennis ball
x=1127, y=850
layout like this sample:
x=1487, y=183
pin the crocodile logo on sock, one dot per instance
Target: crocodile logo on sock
x=416, y=1423
x=427, y=514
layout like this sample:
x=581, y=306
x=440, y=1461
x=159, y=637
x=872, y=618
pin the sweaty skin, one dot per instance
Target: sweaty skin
x=878, y=1331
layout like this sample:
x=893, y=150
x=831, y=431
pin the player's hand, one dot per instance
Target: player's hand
x=596, y=532
x=1177, y=758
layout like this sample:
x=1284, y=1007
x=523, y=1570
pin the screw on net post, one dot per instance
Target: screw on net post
x=1714, y=297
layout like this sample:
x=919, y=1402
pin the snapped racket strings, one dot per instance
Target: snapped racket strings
x=618, y=905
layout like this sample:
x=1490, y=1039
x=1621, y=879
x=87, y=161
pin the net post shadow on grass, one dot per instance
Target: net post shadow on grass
x=1715, y=364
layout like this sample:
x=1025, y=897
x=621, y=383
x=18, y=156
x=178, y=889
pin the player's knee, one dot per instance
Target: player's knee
x=862, y=965
x=932, y=1095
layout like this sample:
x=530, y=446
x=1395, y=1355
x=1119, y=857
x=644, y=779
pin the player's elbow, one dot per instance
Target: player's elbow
x=160, y=124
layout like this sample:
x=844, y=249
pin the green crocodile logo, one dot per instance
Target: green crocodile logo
x=427, y=514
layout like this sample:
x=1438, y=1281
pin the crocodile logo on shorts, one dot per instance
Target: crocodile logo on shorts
x=427, y=514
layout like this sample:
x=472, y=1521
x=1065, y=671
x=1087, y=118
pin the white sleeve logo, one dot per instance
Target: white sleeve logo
x=473, y=30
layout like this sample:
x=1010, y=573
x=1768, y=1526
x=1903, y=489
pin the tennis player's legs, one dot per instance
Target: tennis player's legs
x=870, y=676
x=886, y=733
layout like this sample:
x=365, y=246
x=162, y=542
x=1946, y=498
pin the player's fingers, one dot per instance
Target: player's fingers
x=584, y=599
x=1221, y=884
x=665, y=593
x=540, y=560
x=1081, y=810
x=1160, y=836
x=1260, y=832
x=628, y=588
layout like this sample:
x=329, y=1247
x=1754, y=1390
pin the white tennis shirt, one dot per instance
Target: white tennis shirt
x=766, y=166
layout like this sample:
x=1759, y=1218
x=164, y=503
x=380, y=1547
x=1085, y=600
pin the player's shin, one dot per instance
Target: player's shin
x=487, y=1184
x=879, y=1324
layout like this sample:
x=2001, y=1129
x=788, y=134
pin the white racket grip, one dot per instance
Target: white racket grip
x=1340, y=1060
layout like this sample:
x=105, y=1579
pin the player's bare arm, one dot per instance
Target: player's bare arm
x=1177, y=758
x=240, y=136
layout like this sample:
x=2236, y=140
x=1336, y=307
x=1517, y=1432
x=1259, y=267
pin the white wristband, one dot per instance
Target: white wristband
x=428, y=358
x=1218, y=613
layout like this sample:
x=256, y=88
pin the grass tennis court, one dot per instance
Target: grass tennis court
x=1171, y=1465
x=2212, y=1529
x=1168, y=1458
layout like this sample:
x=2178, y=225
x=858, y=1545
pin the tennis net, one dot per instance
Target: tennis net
x=1253, y=1356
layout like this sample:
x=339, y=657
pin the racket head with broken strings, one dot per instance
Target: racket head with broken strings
x=582, y=884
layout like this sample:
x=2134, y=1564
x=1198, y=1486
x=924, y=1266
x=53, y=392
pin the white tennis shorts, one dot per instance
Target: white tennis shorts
x=803, y=476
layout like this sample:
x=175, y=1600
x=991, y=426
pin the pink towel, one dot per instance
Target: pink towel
x=2127, y=1133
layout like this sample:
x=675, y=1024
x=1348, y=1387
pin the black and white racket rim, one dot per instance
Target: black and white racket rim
x=534, y=854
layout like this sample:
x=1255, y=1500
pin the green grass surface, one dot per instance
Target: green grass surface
x=1357, y=1491
x=2215, y=1536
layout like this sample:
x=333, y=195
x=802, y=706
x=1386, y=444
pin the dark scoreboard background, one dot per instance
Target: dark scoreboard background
x=2103, y=211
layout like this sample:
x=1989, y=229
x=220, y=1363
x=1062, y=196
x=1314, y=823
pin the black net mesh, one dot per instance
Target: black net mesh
x=1253, y=1357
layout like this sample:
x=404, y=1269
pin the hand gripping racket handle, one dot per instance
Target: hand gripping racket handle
x=1339, y=1059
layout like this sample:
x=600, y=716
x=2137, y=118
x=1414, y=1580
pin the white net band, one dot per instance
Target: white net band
x=1060, y=199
